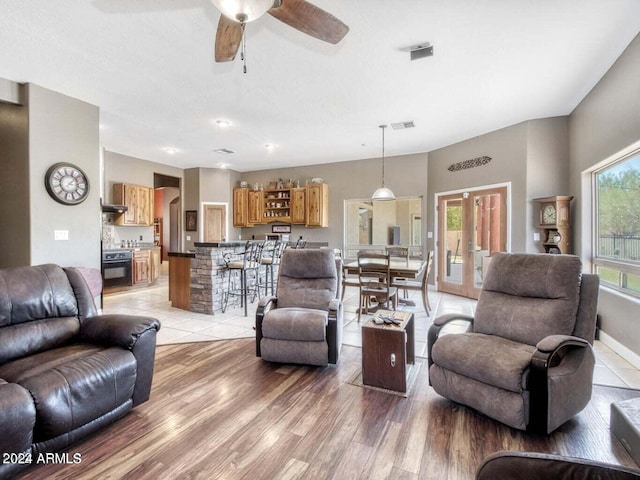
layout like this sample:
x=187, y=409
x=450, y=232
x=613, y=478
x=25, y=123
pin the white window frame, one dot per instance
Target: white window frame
x=624, y=267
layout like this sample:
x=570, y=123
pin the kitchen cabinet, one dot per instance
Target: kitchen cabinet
x=139, y=202
x=298, y=203
x=241, y=207
x=307, y=206
x=141, y=267
x=255, y=206
x=154, y=262
x=317, y=208
x=277, y=205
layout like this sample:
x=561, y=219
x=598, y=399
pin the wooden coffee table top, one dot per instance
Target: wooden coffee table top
x=403, y=317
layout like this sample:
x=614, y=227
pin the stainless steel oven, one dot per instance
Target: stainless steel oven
x=116, y=269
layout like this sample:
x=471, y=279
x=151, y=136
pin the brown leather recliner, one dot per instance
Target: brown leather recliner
x=65, y=371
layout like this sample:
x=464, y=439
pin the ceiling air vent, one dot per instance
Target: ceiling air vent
x=403, y=125
x=224, y=151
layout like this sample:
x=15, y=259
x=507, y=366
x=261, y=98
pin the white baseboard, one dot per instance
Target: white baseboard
x=629, y=355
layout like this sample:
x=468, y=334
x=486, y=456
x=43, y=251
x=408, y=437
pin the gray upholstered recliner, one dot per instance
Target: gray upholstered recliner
x=527, y=358
x=303, y=323
x=541, y=466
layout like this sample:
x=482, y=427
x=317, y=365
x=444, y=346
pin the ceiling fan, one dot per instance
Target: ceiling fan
x=298, y=14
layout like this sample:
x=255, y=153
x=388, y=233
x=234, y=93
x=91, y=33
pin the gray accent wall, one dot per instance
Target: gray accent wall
x=508, y=151
x=48, y=129
x=15, y=212
x=606, y=122
x=405, y=175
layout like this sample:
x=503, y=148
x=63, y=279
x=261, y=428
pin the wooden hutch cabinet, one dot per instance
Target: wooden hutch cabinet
x=554, y=223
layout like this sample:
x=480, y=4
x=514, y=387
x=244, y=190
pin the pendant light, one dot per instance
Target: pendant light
x=383, y=193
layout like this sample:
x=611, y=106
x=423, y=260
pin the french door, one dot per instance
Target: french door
x=472, y=226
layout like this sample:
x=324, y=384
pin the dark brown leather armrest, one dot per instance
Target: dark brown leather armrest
x=118, y=330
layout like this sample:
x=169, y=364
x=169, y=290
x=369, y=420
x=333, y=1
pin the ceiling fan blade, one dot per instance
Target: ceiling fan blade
x=228, y=38
x=310, y=19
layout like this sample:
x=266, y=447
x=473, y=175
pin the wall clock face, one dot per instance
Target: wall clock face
x=66, y=184
x=549, y=214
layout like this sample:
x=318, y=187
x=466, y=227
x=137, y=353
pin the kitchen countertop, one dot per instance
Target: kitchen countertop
x=182, y=254
x=130, y=249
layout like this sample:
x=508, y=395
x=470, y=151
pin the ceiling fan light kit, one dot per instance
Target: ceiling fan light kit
x=299, y=14
x=243, y=11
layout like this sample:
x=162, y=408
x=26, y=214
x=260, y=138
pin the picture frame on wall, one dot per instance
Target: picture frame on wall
x=191, y=220
x=281, y=229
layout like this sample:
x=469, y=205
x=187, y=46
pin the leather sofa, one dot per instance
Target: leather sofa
x=65, y=371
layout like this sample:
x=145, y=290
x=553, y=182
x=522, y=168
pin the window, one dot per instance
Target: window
x=617, y=215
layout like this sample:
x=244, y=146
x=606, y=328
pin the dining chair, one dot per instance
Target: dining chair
x=398, y=253
x=420, y=285
x=374, y=276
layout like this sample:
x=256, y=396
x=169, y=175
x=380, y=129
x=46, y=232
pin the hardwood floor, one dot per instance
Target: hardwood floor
x=217, y=411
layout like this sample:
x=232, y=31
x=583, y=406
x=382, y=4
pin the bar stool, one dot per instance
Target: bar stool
x=270, y=261
x=251, y=260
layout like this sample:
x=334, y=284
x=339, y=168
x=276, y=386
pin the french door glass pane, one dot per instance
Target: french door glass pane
x=486, y=233
x=453, y=241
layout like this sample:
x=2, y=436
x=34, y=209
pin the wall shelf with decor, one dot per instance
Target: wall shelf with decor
x=554, y=223
x=277, y=205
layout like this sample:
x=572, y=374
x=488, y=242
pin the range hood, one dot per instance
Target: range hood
x=109, y=208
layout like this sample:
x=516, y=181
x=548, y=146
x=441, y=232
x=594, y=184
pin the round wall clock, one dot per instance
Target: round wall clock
x=66, y=183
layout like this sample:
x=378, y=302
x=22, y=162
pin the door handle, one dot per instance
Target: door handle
x=393, y=359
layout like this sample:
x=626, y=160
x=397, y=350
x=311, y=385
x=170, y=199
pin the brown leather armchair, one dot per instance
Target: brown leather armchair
x=303, y=323
x=65, y=371
x=526, y=359
x=541, y=466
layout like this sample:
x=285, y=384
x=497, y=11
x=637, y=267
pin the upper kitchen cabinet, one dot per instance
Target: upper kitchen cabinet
x=317, y=208
x=255, y=206
x=139, y=203
x=298, y=202
x=241, y=207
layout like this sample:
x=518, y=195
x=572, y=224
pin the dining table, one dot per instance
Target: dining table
x=405, y=268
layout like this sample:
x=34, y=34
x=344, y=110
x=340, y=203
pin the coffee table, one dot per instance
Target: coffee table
x=386, y=351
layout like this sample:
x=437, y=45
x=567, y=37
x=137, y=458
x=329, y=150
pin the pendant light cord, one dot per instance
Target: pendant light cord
x=383, y=127
x=243, y=52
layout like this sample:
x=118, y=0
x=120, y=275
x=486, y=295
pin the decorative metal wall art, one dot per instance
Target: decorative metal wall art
x=474, y=162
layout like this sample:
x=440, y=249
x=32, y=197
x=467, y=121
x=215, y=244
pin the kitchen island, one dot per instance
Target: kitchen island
x=196, y=278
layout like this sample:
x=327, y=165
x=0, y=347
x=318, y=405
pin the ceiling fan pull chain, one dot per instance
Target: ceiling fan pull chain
x=243, y=53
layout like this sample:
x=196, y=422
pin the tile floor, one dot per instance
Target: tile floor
x=179, y=326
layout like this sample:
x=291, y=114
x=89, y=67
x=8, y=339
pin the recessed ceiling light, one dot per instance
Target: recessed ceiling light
x=170, y=150
x=223, y=123
x=222, y=165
